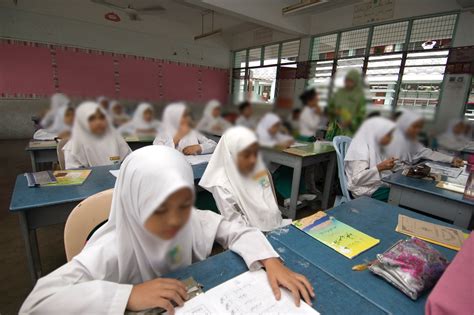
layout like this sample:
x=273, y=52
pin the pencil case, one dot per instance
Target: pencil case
x=411, y=265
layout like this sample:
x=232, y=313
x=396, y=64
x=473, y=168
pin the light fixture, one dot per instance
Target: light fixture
x=212, y=31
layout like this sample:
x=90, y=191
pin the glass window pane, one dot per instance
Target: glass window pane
x=270, y=55
x=239, y=59
x=255, y=56
x=262, y=84
x=382, y=76
x=353, y=43
x=432, y=33
x=469, y=114
x=320, y=78
x=238, y=85
x=389, y=38
x=324, y=47
x=290, y=51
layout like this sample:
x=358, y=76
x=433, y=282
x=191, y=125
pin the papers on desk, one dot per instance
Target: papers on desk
x=430, y=232
x=198, y=159
x=248, y=293
x=323, y=142
x=444, y=169
x=341, y=237
x=298, y=152
x=69, y=178
x=115, y=172
x=298, y=144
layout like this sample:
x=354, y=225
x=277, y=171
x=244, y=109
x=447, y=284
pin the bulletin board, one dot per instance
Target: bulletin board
x=138, y=78
x=180, y=82
x=25, y=70
x=215, y=84
x=85, y=74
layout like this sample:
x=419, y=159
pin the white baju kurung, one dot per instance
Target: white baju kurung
x=245, y=122
x=138, y=125
x=309, y=122
x=264, y=137
x=211, y=124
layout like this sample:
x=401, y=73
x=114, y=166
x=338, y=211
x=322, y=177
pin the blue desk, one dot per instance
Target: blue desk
x=424, y=196
x=43, y=206
x=377, y=219
x=332, y=296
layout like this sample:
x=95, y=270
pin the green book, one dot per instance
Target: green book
x=69, y=177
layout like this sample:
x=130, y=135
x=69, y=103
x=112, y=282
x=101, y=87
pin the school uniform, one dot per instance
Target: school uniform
x=58, y=100
x=211, y=124
x=264, y=137
x=55, y=129
x=171, y=120
x=450, y=142
x=309, y=122
x=248, y=200
x=117, y=119
x=363, y=155
x=245, y=122
x=85, y=149
x=408, y=150
x=138, y=125
x=122, y=253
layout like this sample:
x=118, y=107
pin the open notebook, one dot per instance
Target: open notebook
x=248, y=293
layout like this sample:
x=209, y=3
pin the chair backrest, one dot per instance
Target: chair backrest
x=84, y=218
x=60, y=153
x=341, y=144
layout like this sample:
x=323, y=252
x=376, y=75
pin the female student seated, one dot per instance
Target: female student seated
x=58, y=100
x=240, y=182
x=142, y=123
x=365, y=163
x=405, y=145
x=61, y=127
x=118, y=114
x=454, y=139
x=310, y=119
x=211, y=121
x=269, y=132
x=152, y=230
x=245, y=118
x=94, y=141
x=177, y=132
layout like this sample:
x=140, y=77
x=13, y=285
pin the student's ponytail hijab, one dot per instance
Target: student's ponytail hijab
x=148, y=176
x=92, y=150
x=253, y=193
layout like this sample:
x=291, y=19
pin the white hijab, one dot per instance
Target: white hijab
x=171, y=121
x=264, y=136
x=253, y=193
x=365, y=146
x=58, y=124
x=112, y=114
x=147, y=177
x=59, y=100
x=92, y=150
x=451, y=141
x=139, y=123
x=401, y=146
x=208, y=122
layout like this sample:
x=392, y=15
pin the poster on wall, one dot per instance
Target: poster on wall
x=25, y=71
x=215, y=84
x=85, y=73
x=138, y=78
x=179, y=82
x=372, y=11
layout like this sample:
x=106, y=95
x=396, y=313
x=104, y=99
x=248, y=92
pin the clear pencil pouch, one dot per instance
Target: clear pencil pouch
x=411, y=265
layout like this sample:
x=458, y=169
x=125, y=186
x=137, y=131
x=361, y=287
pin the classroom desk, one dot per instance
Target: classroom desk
x=212, y=136
x=45, y=151
x=377, y=219
x=423, y=195
x=43, y=206
x=318, y=153
x=332, y=296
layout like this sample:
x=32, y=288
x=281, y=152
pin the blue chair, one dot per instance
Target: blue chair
x=341, y=144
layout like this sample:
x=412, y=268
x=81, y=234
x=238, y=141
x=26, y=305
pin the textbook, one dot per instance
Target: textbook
x=69, y=178
x=248, y=293
x=341, y=237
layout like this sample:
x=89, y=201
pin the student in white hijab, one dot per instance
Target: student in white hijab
x=454, y=139
x=61, y=127
x=366, y=162
x=104, y=102
x=245, y=118
x=142, y=123
x=240, y=182
x=211, y=121
x=58, y=100
x=269, y=132
x=405, y=145
x=153, y=229
x=178, y=133
x=94, y=141
x=310, y=119
x=118, y=114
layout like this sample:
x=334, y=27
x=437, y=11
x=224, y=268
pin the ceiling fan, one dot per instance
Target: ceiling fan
x=133, y=13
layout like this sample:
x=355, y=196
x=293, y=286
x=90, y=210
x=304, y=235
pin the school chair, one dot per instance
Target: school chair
x=60, y=153
x=83, y=219
x=341, y=144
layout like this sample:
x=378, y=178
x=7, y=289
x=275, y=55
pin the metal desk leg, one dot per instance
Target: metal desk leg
x=33, y=160
x=395, y=195
x=30, y=248
x=295, y=188
x=328, y=181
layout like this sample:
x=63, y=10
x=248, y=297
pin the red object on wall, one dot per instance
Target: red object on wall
x=25, y=70
x=85, y=74
x=138, y=79
x=112, y=16
x=180, y=82
x=215, y=84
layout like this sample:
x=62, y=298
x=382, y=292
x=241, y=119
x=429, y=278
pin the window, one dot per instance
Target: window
x=435, y=32
x=255, y=57
x=469, y=114
x=324, y=47
x=353, y=43
x=240, y=59
x=271, y=55
x=289, y=52
x=382, y=77
x=262, y=84
x=388, y=38
x=320, y=78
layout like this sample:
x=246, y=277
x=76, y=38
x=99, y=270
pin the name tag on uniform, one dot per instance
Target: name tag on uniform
x=262, y=178
x=115, y=159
